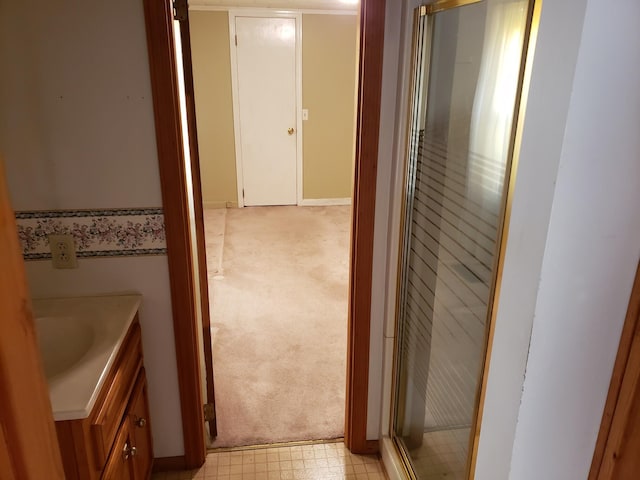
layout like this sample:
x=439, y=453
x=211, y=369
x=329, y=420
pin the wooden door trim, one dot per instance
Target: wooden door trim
x=162, y=62
x=364, y=203
x=168, y=464
x=629, y=330
x=173, y=182
x=185, y=37
x=28, y=442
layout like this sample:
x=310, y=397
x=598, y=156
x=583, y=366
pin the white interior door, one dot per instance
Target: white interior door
x=266, y=79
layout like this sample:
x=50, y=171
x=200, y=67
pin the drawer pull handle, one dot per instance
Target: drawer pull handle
x=129, y=451
x=126, y=451
x=141, y=422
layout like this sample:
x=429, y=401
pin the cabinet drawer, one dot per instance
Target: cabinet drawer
x=111, y=406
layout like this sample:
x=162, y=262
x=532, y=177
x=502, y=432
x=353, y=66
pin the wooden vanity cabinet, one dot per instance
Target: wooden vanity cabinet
x=119, y=465
x=131, y=455
x=114, y=441
x=140, y=430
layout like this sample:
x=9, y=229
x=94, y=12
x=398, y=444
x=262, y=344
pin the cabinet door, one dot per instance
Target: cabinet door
x=138, y=416
x=616, y=453
x=119, y=464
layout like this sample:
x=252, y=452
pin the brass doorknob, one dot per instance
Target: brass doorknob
x=290, y=131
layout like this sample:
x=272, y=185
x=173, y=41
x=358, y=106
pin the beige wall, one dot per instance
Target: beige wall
x=328, y=81
x=328, y=89
x=214, y=107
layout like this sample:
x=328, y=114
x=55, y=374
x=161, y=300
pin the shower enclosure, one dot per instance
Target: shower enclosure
x=468, y=69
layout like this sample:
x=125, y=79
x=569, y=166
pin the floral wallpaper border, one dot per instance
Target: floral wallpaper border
x=97, y=233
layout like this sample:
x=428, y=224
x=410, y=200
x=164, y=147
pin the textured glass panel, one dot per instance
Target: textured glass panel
x=468, y=62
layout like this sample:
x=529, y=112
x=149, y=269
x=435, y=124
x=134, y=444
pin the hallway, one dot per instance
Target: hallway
x=278, y=285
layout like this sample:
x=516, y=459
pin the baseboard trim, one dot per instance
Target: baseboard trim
x=319, y=202
x=372, y=447
x=364, y=447
x=166, y=464
x=220, y=204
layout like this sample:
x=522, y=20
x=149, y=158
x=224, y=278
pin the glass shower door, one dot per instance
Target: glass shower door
x=468, y=59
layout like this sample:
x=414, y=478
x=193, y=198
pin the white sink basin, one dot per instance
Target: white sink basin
x=79, y=340
x=63, y=342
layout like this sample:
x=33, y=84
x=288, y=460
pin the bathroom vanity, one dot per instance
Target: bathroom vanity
x=93, y=361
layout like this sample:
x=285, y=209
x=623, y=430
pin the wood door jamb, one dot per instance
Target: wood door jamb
x=364, y=202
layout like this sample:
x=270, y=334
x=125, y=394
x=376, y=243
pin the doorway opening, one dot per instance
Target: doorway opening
x=274, y=107
x=185, y=232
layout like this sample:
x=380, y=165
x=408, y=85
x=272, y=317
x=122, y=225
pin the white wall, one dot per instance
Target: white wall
x=77, y=109
x=591, y=254
x=573, y=247
x=77, y=132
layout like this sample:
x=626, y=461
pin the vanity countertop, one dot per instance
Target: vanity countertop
x=79, y=340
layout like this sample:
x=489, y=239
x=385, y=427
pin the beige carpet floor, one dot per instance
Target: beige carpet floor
x=278, y=282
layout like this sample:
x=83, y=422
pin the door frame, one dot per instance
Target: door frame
x=265, y=13
x=203, y=278
x=164, y=83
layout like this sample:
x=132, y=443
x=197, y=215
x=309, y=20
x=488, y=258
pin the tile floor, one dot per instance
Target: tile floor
x=443, y=455
x=318, y=461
